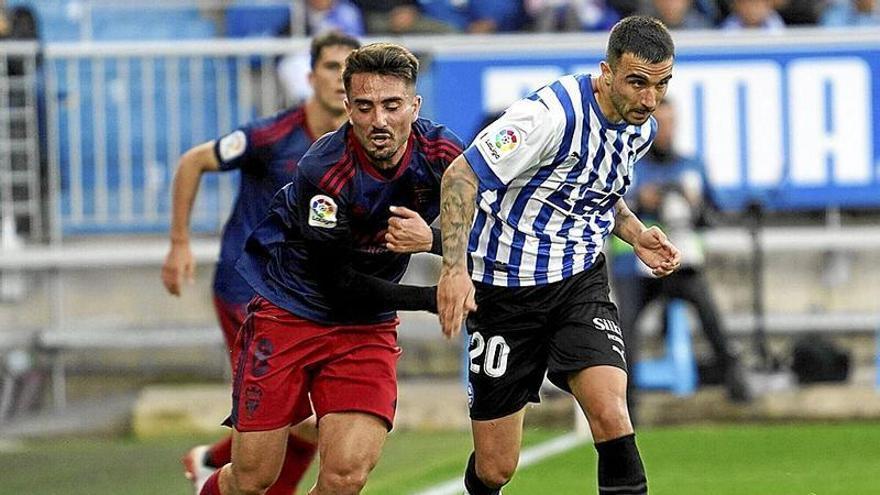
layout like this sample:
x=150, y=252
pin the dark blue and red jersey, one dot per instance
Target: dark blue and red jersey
x=266, y=152
x=329, y=225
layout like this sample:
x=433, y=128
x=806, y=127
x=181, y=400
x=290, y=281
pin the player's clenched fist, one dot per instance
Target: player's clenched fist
x=455, y=299
x=407, y=232
x=179, y=266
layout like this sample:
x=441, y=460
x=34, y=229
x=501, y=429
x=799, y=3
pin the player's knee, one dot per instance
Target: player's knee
x=610, y=419
x=344, y=480
x=251, y=481
x=496, y=473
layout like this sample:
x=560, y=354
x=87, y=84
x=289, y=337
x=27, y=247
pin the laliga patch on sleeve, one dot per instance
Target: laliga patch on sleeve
x=322, y=212
x=232, y=145
x=500, y=144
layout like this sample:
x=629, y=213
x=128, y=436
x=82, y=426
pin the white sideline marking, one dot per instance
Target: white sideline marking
x=527, y=457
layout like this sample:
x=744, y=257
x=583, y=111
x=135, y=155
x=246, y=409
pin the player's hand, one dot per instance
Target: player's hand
x=654, y=249
x=179, y=267
x=407, y=232
x=455, y=299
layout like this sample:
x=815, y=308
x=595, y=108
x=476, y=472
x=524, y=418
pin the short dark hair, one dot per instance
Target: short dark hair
x=386, y=59
x=330, y=38
x=643, y=36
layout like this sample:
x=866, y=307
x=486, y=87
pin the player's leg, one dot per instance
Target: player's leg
x=508, y=356
x=496, y=453
x=601, y=393
x=257, y=457
x=270, y=392
x=302, y=444
x=354, y=393
x=350, y=444
x=587, y=357
x=202, y=460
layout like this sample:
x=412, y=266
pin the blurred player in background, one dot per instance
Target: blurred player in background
x=323, y=263
x=266, y=151
x=672, y=191
x=547, y=181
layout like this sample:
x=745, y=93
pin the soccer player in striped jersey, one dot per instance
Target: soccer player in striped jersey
x=325, y=263
x=265, y=152
x=546, y=181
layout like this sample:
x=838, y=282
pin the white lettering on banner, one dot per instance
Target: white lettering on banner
x=504, y=85
x=743, y=126
x=722, y=103
x=847, y=140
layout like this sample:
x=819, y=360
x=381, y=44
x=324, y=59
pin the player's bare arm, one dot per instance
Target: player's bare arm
x=409, y=233
x=455, y=291
x=179, y=264
x=650, y=244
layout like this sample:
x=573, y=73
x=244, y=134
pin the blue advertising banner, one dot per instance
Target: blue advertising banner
x=789, y=124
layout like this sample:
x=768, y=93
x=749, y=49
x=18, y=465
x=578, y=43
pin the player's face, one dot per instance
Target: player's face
x=637, y=87
x=382, y=109
x=326, y=78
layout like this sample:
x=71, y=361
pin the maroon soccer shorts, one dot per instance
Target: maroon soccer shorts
x=281, y=359
x=231, y=316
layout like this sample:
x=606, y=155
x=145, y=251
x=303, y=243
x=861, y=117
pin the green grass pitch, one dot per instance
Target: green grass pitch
x=801, y=459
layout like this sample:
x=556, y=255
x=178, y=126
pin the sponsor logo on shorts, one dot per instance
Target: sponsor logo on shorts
x=612, y=331
x=232, y=145
x=322, y=212
x=470, y=394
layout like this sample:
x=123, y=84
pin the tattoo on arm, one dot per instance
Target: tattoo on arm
x=458, y=193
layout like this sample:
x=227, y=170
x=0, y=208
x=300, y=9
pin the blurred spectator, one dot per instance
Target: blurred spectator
x=753, y=14
x=478, y=16
x=671, y=190
x=571, y=15
x=17, y=23
x=333, y=15
x=799, y=12
x=851, y=13
x=679, y=14
x=399, y=17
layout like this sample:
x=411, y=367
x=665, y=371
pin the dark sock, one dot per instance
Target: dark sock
x=219, y=454
x=296, y=461
x=473, y=484
x=212, y=486
x=620, y=467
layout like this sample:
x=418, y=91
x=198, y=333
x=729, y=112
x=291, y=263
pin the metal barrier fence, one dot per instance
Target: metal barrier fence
x=119, y=116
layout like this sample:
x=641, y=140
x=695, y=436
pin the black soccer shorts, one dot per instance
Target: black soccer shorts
x=518, y=334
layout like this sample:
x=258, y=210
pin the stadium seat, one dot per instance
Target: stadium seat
x=677, y=369
x=246, y=21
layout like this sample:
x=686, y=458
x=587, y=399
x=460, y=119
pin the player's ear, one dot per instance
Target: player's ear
x=311, y=78
x=417, y=105
x=607, y=73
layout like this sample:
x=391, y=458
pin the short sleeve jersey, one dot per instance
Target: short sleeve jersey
x=266, y=152
x=550, y=171
x=337, y=197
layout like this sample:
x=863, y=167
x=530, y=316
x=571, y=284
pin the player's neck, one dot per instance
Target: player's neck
x=602, y=94
x=319, y=120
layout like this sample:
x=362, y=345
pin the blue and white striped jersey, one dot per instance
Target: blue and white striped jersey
x=551, y=170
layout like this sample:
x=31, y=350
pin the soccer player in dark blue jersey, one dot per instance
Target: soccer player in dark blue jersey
x=325, y=269
x=266, y=153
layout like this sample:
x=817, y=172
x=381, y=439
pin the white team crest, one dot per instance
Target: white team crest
x=322, y=212
x=232, y=145
x=500, y=144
